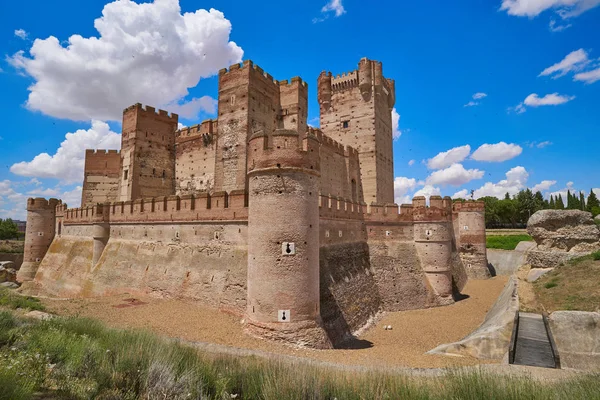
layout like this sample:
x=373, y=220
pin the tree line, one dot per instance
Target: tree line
x=514, y=212
x=8, y=229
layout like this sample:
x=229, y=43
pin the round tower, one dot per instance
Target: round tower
x=283, y=247
x=469, y=228
x=324, y=91
x=365, y=78
x=433, y=242
x=41, y=214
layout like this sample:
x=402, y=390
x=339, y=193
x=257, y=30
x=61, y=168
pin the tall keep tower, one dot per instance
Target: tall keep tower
x=356, y=110
x=251, y=101
x=147, y=153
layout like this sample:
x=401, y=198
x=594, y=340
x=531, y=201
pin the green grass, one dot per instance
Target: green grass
x=13, y=300
x=82, y=359
x=574, y=285
x=505, y=242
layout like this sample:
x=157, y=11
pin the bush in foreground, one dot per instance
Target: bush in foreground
x=81, y=359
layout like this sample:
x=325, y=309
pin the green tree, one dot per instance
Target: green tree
x=539, y=201
x=552, y=204
x=560, y=205
x=581, y=201
x=507, y=196
x=593, y=203
x=8, y=229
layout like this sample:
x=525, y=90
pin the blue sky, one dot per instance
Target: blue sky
x=521, y=78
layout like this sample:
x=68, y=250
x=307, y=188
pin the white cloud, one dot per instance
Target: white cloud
x=428, y=191
x=396, y=132
x=589, y=76
x=516, y=179
x=574, y=61
x=72, y=197
x=557, y=28
x=543, y=186
x=532, y=8
x=553, y=99
x=476, y=96
x=21, y=33
x=455, y=175
x=411, y=163
x=335, y=6
x=402, y=186
x=148, y=53
x=447, y=158
x=68, y=162
x=543, y=144
x=496, y=152
x=461, y=194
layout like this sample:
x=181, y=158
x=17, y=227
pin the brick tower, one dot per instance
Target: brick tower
x=147, y=153
x=356, y=110
x=39, y=235
x=251, y=101
x=283, y=249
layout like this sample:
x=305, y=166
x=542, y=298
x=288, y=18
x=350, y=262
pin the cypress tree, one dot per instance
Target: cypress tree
x=581, y=201
x=570, y=203
x=552, y=204
x=592, y=201
x=560, y=205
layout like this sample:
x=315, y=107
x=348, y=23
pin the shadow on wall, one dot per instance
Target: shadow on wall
x=348, y=295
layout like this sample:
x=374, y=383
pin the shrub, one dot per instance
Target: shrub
x=596, y=255
x=506, y=242
x=13, y=300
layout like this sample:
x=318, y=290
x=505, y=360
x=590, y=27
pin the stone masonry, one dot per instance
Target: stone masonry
x=257, y=214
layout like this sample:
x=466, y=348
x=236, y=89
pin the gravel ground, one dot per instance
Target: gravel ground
x=413, y=332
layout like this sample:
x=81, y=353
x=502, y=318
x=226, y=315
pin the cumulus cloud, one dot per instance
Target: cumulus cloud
x=496, y=152
x=516, y=179
x=553, y=99
x=574, y=61
x=21, y=33
x=402, y=186
x=543, y=186
x=68, y=162
x=396, y=132
x=428, y=191
x=148, y=53
x=589, y=76
x=447, y=158
x=531, y=8
x=455, y=175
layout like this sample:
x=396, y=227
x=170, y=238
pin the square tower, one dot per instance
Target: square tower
x=356, y=110
x=251, y=101
x=147, y=153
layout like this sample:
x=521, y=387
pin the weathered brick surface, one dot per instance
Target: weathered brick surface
x=101, y=177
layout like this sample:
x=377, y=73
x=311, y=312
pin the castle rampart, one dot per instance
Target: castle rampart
x=258, y=214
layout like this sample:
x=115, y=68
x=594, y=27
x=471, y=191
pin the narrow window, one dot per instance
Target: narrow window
x=164, y=174
x=125, y=174
x=345, y=124
x=153, y=171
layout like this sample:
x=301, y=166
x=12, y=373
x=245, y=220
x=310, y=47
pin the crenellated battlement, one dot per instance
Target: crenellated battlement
x=206, y=127
x=92, y=152
x=470, y=205
x=151, y=111
x=201, y=207
x=345, y=81
x=40, y=203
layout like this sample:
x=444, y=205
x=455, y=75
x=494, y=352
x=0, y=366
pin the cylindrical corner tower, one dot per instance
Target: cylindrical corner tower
x=469, y=228
x=365, y=78
x=39, y=234
x=283, y=247
x=433, y=242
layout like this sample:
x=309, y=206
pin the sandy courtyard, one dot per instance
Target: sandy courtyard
x=413, y=332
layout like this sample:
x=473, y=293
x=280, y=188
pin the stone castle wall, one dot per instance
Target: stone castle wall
x=195, y=158
x=102, y=172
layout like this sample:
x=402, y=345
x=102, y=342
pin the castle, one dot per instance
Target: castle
x=260, y=215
